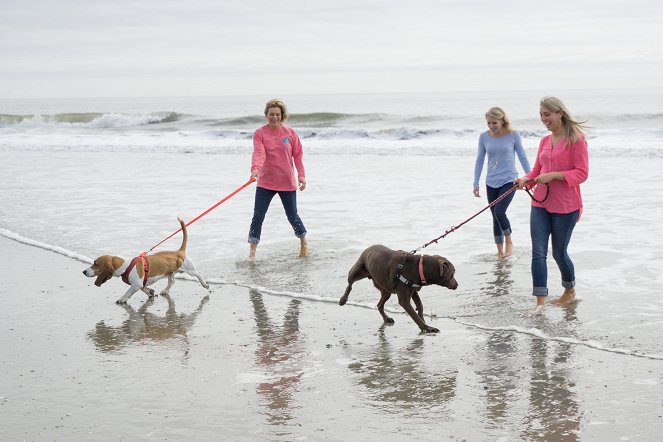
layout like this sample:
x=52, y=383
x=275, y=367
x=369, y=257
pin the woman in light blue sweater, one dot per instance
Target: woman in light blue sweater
x=501, y=143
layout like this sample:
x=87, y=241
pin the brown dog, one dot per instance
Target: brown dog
x=396, y=271
x=140, y=273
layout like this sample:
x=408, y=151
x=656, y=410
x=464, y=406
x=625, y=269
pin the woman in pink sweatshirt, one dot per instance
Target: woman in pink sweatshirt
x=275, y=148
x=561, y=163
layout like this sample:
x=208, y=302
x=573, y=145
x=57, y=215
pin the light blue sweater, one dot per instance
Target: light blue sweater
x=501, y=159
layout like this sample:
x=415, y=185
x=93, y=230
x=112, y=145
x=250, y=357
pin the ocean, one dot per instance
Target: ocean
x=86, y=177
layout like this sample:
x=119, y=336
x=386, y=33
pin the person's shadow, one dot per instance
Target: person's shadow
x=279, y=352
x=399, y=377
x=141, y=325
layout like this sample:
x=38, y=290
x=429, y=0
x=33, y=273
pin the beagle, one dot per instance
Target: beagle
x=145, y=270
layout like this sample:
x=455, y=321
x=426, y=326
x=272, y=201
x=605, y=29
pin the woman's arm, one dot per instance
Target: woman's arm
x=258, y=158
x=520, y=151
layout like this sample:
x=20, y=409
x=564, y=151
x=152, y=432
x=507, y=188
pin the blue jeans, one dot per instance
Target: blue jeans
x=558, y=227
x=262, y=201
x=501, y=224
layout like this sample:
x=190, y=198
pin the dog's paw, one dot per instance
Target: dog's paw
x=429, y=329
x=389, y=321
x=120, y=302
x=163, y=293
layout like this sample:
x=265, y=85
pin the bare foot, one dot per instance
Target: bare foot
x=252, y=250
x=303, y=248
x=567, y=297
x=508, y=250
x=500, y=250
x=538, y=310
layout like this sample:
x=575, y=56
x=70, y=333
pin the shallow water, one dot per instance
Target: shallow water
x=96, y=203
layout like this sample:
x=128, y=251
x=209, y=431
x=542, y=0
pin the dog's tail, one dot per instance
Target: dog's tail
x=184, y=235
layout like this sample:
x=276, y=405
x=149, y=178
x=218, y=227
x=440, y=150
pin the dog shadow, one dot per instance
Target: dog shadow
x=398, y=377
x=279, y=352
x=142, y=325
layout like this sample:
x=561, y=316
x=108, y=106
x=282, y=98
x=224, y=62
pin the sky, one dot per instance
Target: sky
x=135, y=48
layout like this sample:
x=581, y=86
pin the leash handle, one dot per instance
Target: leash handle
x=226, y=198
x=528, y=188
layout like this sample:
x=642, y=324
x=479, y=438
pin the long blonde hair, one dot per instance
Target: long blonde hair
x=499, y=114
x=572, y=128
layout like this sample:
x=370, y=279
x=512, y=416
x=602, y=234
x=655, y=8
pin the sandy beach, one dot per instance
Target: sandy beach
x=238, y=364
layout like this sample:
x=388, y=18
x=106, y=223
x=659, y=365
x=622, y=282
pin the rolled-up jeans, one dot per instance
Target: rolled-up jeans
x=262, y=201
x=501, y=224
x=557, y=227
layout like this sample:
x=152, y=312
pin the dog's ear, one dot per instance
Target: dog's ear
x=107, y=266
x=445, y=267
x=105, y=275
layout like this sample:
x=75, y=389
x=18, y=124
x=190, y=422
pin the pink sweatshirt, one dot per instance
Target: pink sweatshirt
x=573, y=161
x=274, y=151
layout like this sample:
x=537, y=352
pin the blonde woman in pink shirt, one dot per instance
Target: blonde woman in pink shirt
x=561, y=163
x=276, y=152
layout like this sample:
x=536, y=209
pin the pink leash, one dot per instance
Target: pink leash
x=226, y=198
x=504, y=195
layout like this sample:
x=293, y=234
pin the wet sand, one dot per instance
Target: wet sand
x=237, y=364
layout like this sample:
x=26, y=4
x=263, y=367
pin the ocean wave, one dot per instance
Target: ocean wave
x=93, y=120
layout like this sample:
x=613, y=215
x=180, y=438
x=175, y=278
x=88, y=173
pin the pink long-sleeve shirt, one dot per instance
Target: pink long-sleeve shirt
x=276, y=153
x=573, y=161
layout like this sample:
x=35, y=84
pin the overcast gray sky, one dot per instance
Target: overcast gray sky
x=92, y=48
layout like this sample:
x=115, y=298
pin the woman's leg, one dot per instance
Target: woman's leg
x=540, y=229
x=499, y=214
x=262, y=200
x=491, y=194
x=562, y=229
x=289, y=200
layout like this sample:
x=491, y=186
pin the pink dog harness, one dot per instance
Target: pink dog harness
x=132, y=264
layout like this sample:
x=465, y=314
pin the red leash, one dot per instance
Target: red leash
x=226, y=198
x=454, y=228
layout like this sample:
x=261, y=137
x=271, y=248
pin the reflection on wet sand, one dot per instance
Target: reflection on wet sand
x=399, y=379
x=554, y=412
x=500, y=378
x=503, y=282
x=142, y=325
x=279, y=351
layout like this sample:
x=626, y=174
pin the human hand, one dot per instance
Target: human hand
x=545, y=178
x=302, y=184
x=523, y=183
x=254, y=175
x=476, y=192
